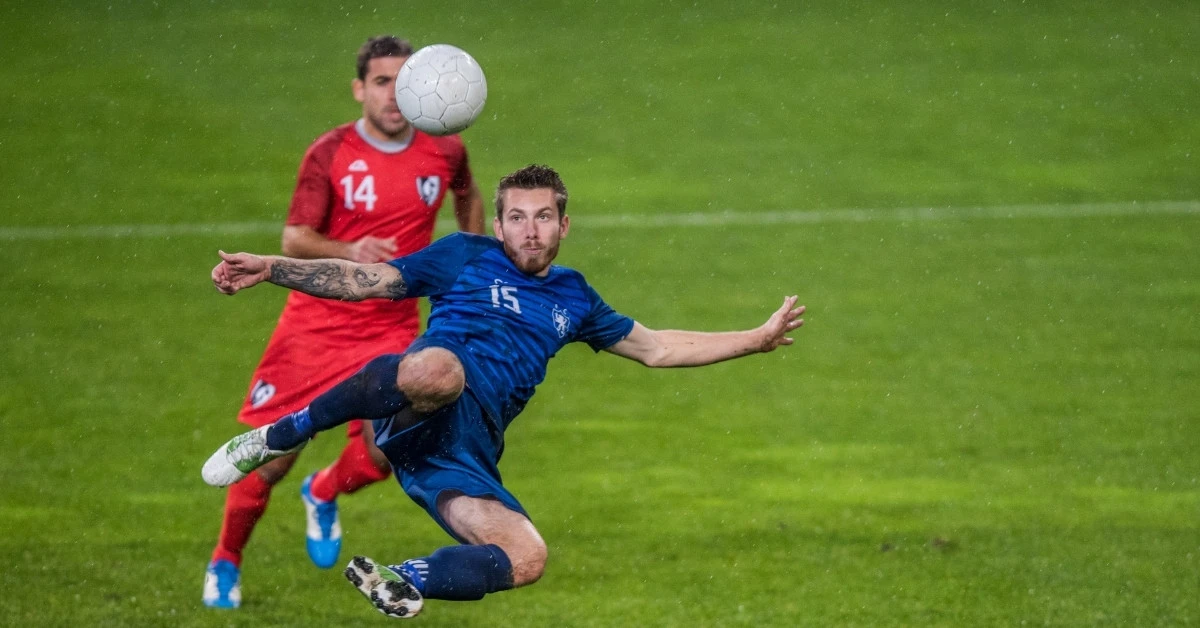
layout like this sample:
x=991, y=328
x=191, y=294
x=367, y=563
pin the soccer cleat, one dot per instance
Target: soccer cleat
x=389, y=591
x=241, y=455
x=324, y=531
x=222, y=585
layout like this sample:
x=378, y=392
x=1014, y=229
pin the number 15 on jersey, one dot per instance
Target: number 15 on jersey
x=505, y=296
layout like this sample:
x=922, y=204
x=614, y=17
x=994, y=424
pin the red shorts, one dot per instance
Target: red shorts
x=298, y=366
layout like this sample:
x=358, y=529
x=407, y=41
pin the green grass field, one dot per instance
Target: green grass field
x=990, y=419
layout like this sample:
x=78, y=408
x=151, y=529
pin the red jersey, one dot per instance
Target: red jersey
x=352, y=186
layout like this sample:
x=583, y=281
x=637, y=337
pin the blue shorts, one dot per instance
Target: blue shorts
x=454, y=449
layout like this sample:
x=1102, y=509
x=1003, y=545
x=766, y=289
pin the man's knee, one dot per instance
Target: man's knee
x=486, y=521
x=528, y=559
x=431, y=378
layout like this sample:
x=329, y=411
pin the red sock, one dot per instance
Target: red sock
x=245, y=503
x=353, y=470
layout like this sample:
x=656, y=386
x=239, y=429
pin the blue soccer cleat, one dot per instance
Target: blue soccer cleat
x=222, y=585
x=387, y=589
x=324, y=531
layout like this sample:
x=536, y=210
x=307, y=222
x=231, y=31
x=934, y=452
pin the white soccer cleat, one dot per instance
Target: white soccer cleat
x=242, y=454
x=388, y=591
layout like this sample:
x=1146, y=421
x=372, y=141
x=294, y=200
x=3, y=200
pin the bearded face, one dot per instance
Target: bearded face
x=530, y=229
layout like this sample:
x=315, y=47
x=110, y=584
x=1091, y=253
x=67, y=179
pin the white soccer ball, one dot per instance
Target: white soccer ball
x=440, y=89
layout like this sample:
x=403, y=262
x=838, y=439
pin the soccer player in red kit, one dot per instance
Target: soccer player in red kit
x=368, y=191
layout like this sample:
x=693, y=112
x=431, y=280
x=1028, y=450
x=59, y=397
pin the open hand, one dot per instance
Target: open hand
x=783, y=321
x=239, y=271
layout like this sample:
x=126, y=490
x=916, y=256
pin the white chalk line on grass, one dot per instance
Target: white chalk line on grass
x=691, y=219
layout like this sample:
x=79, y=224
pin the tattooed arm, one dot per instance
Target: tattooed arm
x=325, y=278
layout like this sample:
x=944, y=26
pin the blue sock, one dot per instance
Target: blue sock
x=289, y=431
x=371, y=393
x=460, y=572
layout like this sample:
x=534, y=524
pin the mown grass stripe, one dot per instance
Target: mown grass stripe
x=691, y=219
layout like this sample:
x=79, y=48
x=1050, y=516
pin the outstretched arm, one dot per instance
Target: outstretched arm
x=325, y=278
x=693, y=348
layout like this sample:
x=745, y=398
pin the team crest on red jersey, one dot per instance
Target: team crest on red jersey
x=261, y=393
x=429, y=189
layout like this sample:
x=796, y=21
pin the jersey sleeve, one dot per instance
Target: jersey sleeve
x=311, y=201
x=603, y=327
x=435, y=268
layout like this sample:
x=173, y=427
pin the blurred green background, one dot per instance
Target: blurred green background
x=990, y=208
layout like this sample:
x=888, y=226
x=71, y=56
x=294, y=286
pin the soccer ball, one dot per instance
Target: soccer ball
x=440, y=89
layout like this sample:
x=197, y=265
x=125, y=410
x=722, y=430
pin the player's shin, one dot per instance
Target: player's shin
x=371, y=393
x=461, y=572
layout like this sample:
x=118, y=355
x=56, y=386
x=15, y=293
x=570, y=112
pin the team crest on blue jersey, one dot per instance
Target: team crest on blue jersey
x=261, y=393
x=429, y=189
x=562, y=322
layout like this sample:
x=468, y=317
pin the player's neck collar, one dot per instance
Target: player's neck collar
x=383, y=146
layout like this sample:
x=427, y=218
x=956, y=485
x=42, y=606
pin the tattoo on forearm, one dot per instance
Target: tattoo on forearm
x=365, y=279
x=320, y=278
x=335, y=279
x=370, y=280
x=397, y=289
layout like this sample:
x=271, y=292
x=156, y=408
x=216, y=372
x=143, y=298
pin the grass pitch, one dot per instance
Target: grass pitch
x=989, y=419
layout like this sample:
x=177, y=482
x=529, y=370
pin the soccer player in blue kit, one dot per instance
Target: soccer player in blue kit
x=499, y=312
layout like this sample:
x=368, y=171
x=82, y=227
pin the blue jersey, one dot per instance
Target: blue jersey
x=504, y=325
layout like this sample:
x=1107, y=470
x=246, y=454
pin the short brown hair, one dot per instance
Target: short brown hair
x=381, y=46
x=533, y=177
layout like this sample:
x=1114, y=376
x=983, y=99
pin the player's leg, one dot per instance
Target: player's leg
x=295, y=367
x=486, y=521
x=245, y=503
x=425, y=380
x=503, y=550
x=278, y=385
x=447, y=464
x=356, y=467
x=360, y=464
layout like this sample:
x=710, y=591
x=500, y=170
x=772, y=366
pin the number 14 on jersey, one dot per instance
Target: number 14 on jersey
x=363, y=193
